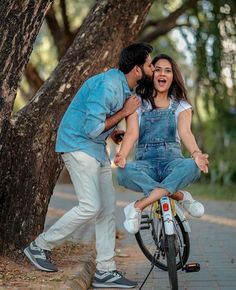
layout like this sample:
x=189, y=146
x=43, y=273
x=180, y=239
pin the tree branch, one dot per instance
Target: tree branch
x=62, y=36
x=55, y=29
x=33, y=77
x=164, y=25
x=64, y=17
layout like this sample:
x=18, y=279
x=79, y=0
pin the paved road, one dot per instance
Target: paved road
x=213, y=244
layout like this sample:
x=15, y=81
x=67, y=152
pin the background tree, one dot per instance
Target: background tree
x=29, y=165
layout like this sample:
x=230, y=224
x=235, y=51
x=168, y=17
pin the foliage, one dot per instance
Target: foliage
x=220, y=138
x=215, y=56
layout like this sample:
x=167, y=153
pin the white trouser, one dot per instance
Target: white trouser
x=95, y=191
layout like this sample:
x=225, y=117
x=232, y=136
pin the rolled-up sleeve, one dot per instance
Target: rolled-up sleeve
x=101, y=100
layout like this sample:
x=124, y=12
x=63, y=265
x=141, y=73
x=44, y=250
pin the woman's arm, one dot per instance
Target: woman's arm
x=130, y=137
x=189, y=141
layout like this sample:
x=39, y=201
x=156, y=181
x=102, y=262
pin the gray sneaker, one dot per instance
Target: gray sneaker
x=111, y=279
x=40, y=258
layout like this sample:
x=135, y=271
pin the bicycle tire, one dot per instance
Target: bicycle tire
x=149, y=251
x=171, y=261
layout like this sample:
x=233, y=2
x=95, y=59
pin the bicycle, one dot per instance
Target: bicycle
x=164, y=239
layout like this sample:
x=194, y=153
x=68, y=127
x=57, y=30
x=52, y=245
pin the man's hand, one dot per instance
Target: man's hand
x=131, y=105
x=117, y=136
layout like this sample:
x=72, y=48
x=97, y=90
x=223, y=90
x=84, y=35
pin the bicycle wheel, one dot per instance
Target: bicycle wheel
x=151, y=240
x=170, y=251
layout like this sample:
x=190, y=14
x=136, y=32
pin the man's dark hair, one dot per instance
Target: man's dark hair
x=132, y=55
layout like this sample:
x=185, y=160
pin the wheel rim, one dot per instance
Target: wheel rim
x=149, y=242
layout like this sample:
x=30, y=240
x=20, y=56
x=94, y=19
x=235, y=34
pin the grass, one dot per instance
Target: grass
x=213, y=191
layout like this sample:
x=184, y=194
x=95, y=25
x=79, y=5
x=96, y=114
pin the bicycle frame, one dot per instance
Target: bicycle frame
x=171, y=240
x=168, y=216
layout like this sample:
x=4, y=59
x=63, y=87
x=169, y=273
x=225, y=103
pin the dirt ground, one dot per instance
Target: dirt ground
x=70, y=258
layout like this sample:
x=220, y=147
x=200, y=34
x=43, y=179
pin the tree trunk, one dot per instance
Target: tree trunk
x=20, y=22
x=29, y=165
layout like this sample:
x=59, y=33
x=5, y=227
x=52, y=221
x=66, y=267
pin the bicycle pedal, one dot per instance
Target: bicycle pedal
x=145, y=227
x=145, y=216
x=191, y=267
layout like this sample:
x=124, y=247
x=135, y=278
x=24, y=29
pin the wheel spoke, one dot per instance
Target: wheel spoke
x=150, y=240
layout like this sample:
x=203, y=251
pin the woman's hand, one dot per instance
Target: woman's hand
x=120, y=161
x=201, y=160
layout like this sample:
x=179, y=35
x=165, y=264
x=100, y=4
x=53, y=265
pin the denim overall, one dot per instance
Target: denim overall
x=159, y=162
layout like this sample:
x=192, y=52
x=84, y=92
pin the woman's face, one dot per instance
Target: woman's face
x=163, y=75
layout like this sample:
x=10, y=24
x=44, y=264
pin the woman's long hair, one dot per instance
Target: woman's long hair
x=177, y=89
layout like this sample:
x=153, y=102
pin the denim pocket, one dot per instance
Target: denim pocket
x=154, y=152
x=139, y=154
x=174, y=152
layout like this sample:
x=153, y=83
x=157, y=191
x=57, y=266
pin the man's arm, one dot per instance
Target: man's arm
x=130, y=106
x=98, y=107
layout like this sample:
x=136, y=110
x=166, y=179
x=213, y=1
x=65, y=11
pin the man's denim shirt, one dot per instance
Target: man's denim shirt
x=83, y=123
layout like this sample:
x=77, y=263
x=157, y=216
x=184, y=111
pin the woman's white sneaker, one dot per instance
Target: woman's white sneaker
x=193, y=207
x=132, y=218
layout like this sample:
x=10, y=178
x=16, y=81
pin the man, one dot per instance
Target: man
x=102, y=102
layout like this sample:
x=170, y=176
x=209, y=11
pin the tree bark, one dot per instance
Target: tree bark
x=17, y=26
x=29, y=164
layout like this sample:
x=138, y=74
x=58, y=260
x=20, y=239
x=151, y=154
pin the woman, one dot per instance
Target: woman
x=160, y=169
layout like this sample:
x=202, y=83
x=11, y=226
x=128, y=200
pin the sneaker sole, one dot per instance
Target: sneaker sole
x=126, y=226
x=111, y=285
x=126, y=211
x=33, y=261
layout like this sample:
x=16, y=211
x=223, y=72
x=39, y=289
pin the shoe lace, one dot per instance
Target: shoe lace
x=47, y=255
x=117, y=273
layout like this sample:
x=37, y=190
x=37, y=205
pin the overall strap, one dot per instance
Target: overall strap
x=174, y=104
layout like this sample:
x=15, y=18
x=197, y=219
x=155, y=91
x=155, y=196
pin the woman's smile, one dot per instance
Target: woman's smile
x=163, y=75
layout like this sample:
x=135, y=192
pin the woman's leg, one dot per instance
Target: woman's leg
x=178, y=174
x=139, y=176
x=155, y=195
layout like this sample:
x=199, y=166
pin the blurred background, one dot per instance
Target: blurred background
x=201, y=37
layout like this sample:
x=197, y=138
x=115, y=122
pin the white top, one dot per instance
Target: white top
x=146, y=106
